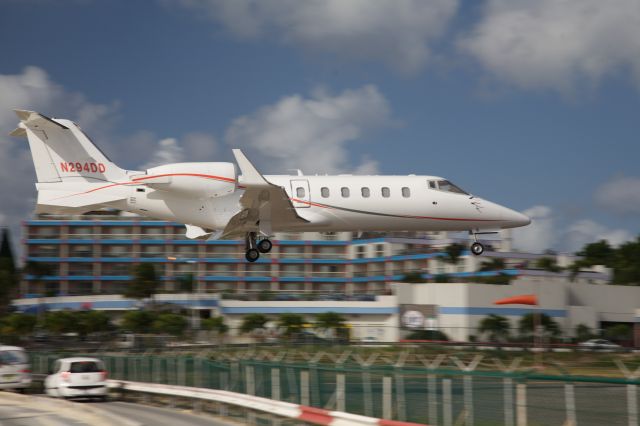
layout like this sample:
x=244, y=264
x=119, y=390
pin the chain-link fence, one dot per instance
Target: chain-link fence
x=445, y=390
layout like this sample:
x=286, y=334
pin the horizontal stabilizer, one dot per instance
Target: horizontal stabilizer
x=194, y=232
x=18, y=132
x=51, y=197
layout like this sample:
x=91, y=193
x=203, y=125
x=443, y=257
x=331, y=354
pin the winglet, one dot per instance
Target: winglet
x=250, y=175
x=23, y=114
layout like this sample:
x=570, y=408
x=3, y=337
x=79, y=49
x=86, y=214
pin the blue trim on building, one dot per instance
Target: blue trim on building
x=468, y=310
x=308, y=310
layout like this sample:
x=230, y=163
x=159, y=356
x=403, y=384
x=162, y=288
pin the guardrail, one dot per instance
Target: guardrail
x=273, y=408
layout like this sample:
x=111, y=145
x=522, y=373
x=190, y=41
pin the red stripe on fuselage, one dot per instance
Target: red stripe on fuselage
x=137, y=180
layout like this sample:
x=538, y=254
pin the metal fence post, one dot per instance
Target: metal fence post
x=250, y=380
x=367, y=392
x=508, y=401
x=468, y=399
x=447, y=408
x=632, y=404
x=570, y=404
x=433, y=398
x=275, y=384
x=521, y=404
x=386, y=398
x=340, y=388
x=304, y=388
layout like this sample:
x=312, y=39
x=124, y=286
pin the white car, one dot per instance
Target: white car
x=599, y=344
x=77, y=378
x=15, y=371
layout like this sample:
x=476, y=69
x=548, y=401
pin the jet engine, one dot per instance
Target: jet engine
x=201, y=180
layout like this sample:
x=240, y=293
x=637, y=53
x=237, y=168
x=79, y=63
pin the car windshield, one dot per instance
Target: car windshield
x=85, y=367
x=445, y=185
x=13, y=357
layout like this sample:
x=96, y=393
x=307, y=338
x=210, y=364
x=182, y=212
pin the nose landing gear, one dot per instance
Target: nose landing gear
x=254, y=249
x=477, y=248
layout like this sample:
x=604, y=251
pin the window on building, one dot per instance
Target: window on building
x=120, y=231
x=80, y=232
x=300, y=192
x=153, y=233
x=152, y=251
x=116, y=268
x=80, y=269
x=386, y=192
x=46, y=232
x=116, y=251
x=80, y=250
x=344, y=191
x=406, y=192
x=324, y=191
x=44, y=250
x=361, y=252
x=365, y=192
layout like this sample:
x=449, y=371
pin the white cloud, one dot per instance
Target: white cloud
x=311, y=133
x=540, y=234
x=166, y=151
x=587, y=231
x=620, y=195
x=33, y=89
x=397, y=32
x=557, y=44
x=545, y=232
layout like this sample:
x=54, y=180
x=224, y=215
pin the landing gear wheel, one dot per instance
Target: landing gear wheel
x=477, y=248
x=264, y=246
x=252, y=255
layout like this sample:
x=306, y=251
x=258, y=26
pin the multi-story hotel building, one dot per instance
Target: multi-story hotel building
x=93, y=254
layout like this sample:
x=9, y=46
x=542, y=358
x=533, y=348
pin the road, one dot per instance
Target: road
x=156, y=416
x=22, y=410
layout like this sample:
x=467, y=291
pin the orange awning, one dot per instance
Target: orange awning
x=524, y=299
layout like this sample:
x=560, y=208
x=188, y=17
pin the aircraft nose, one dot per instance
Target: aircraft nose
x=516, y=219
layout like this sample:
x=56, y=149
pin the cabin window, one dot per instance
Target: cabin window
x=344, y=191
x=300, y=192
x=324, y=191
x=432, y=184
x=406, y=192
x=386, y=193
x=365, y=192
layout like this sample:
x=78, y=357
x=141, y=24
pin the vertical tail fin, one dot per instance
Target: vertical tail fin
x=62, y=152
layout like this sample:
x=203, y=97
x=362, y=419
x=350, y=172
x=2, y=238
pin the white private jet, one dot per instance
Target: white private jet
x=74, y=177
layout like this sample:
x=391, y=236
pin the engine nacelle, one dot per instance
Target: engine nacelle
x=201, y=180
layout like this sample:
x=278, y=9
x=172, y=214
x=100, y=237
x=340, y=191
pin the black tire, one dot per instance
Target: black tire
x=477, y=249
x=252, y=255
x=265, y=246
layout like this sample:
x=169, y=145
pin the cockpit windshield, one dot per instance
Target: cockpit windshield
x=445, y=185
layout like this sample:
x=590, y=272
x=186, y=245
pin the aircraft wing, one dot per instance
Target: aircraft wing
x=263, y=204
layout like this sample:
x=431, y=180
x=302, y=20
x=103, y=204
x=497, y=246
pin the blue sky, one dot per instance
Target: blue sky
x=532, y=104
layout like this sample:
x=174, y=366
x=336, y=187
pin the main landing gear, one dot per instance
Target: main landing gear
x=254, y=249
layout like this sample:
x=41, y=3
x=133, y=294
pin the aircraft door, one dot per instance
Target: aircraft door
x=300, y=194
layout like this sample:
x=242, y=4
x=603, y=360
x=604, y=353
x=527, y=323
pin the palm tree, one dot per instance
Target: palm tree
x=330, y=322
x=291, y=323
x=528, y=323
x=217, y=324
x=453, y=251
x=496, y=326
x=253, y=322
